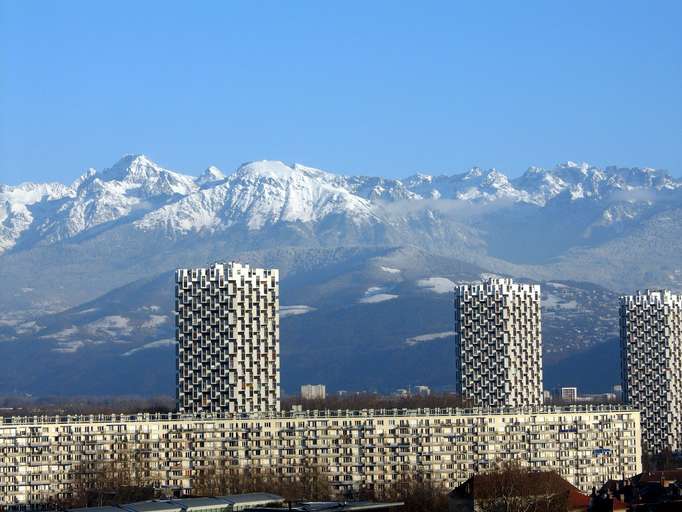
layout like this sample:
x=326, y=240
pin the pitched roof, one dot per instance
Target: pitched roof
x=525, y=482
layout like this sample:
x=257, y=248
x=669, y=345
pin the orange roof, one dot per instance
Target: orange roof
x=576, y=500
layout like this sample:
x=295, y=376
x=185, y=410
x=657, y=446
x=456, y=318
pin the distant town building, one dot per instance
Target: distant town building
x=313, y=391
x=227, y=329
x=597, y=398
x=569, y=394
x=422, y=390
x=498, y=343
x=651, y=352
x=618, y=391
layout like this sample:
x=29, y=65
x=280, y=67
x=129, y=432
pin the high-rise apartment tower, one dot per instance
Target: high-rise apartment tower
x=227, y=329
x=499, y=343
x=651, y=364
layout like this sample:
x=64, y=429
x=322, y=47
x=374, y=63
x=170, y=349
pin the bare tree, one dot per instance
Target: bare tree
x=125, y=478
x=418, y=493
x=304, y=481
x=513, y=488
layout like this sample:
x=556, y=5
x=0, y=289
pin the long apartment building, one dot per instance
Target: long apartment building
x=41, y=457
x=227, y=331
x=651, y=351
x=498, y=343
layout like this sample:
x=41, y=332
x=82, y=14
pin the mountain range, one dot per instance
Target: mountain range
x=368, y=264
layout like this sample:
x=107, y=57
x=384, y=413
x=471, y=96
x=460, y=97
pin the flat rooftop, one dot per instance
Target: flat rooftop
x=329, y=413
x=152, y=506
x=253, y=497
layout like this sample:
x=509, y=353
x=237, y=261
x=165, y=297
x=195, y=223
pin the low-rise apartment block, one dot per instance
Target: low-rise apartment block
x=41, y=457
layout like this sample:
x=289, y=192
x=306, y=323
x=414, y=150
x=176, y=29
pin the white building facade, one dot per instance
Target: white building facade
x=313, y=391
x=40, y=458
x=227, y=332
x=569, y=394
x=498, y=343
x=651, y=364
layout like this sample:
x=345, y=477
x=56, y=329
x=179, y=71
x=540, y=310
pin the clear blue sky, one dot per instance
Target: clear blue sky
x=386, y=88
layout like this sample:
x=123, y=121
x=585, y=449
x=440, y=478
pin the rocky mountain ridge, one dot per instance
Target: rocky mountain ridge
x=260, y=194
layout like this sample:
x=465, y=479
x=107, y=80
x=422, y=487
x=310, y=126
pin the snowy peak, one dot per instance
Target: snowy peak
x=582, y=181
x=277, y=171
x=474, y=185
x=141, y=194
x=210, y=175
x=260, y=194
x=31, y=193
x=132, y=168
x=16, y=216
x=133, y=171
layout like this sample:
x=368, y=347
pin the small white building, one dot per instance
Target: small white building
x=422, y=390
x=569, y=394
x=313, y=391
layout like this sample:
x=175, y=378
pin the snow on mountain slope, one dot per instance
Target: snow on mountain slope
x=141, y=193
x=581, y=181
x=377, y=189
x=474, y=185
x=259, y=194
x=132, y=186
x=210, y=176
x=15, y=203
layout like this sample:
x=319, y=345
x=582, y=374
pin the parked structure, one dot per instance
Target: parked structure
x=499, y=343
x=253, y=502
x=338, y=506
x=651, y=350
x=41, y=456
x=233, y=503
x=227, y=329
x=313, y=392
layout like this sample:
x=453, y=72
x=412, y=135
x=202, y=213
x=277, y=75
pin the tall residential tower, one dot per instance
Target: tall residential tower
x=651, y=352
x=227, y=329
x=499, y=343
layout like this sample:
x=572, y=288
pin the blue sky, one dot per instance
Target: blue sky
x=385, y=88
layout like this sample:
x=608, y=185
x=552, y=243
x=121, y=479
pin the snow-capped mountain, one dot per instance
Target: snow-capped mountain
x=16, y=215
x=87, y=268
x=211, y=175
x=257, y=195
x=260, y=194
x=474, y=215
x=52, y=212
